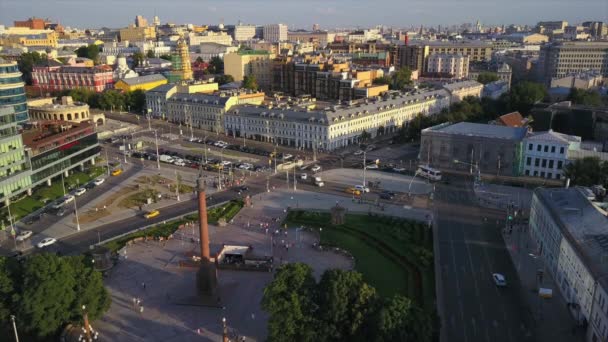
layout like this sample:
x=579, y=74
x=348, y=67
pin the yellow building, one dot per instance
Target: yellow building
x=143, y=82
x=137, y=34
x=26, y=37
x=254, y=62
x=197, y=87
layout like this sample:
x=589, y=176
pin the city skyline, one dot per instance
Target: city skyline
x=297, y=14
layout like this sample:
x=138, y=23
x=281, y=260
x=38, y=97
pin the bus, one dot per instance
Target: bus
x=429, y=173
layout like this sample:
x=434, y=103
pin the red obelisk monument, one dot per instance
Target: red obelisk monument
x=207, y=273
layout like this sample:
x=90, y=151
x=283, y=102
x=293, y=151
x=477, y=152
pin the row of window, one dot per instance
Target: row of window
x=538, y=162
x=540, y=148
x=543, y=174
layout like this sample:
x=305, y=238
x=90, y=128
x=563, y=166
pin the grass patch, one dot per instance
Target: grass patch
x=138, y=198
x=393, y=254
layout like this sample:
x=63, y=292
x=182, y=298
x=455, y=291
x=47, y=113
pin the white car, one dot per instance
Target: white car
x=303, y=176
x=316, y=168
x=46, y=242
x=399, y=169
x=499, y=279
x=362, y=188
x=246, y=166
x=287, y=156
x=179, y=163
x=99, y=181
x=358, y=153
x=24, y=235
x=80, y=191
x=372, y=167
x=226, y=163
x=68, y=199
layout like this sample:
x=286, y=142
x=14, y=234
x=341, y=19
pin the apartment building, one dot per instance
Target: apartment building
x=244, y=32
x=565, y=58
x=14, y=168
x=546, y=153
x=12, y=91
x=133, y=33
x=456, y=66
x=459, y=90
x=204, y=111
x=414, y=55
x=322, y=38
x=275, y=33
x=210, y=37
x=57, y=78
x=331, y=127
x=255, y=62
x=571, y=235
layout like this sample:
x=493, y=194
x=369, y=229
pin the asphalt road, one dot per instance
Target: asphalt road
x=471, y=249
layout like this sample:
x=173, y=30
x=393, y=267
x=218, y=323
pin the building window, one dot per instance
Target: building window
x=527, y=172
x=538, y=147
x=529, y=161
x=544, y=162
x=535, y=173
x=549, y=175
x=551, y=163
x=558, y=176
x=546, y=148
x=559, y=164
x=530, y=147
x=561, y=150
x=542, y=174
x=536, y=162
x=552, y=149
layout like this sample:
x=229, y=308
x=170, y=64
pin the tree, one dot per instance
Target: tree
x=402, y=78
x=150, y=54
x=26, y=63
x=365, y=136
x=165, y=57
x=88, y=289
x=398, y=319
x=47, y=294
x=289, y=301
x=199, y=60
x=216, y=65
x=135, y=100
x=585, y=97
x=138, y=58
x=90, y=51
x=382, y=80
x=587, y=172
x=487, y=77
x=223, y=79
x=344, y=302
x=8, y=293
x=380, y=130
x=250, y=82
x=112, y=100
x=524, y=95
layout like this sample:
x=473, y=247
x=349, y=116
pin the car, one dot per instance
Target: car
x=287, y=156
x=399, y=169
x=46, y=242
x=99, y=181
x=24, y=235
x=58, y=205
x=303, y=176
x=31, y=219
x=372, y=167
x=369, y=148
x=246, y=166
x=499, y=279
x=61, y=212
x=351, y=190
x=152, y=213
x=116, y=172
x=389, y=195
x=89, y=185
x=362, y=188
x=179, y=163
x=68, y=199
x=226, y=163
x=80, y=191
x=241, y=188
x=358, y=153
x=316, y=168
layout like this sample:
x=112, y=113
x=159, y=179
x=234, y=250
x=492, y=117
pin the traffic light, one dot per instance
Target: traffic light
x=510, y=218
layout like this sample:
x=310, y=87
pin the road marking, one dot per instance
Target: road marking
x=474, y=325
x=453, y=257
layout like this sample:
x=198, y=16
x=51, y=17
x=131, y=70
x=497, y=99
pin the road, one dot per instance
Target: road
x=471, y=249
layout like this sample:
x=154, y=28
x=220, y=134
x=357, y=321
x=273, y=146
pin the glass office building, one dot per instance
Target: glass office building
x=12, y=91
x=14, y=166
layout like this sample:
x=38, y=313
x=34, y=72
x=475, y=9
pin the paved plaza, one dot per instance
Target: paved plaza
x=388, y=181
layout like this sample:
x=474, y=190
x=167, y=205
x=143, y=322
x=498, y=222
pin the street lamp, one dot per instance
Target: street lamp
x=76, y=214
x=157, y=156
x=476, y=166
x=224, y=330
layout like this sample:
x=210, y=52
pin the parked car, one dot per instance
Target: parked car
x=80, y=191
x=116, y=172
x=287, y=156
x=46, y=242
x=389, y=195
x=99, y=181
x=399, y=169
x=152, y=214
x=179, y=163
x=351, y=190
x=31, y=219
x=372, y=167
x=303, y=176
x=499, y=279
x=24, y=235
x=68, y=199
x=61, y=212
x=358, y=153
x=316, y=168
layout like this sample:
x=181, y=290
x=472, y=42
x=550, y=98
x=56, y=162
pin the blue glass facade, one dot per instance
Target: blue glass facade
x=12, y=91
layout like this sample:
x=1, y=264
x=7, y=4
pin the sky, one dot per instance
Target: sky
x=303, y=13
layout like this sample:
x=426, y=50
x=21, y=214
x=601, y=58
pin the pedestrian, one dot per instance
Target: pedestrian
x=141, y=309
x=143, y=284
x=266, y=231
x=134, y=301
x=252, y=315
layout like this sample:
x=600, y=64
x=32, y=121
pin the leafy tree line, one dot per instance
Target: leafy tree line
x=90, y=51
x=588, y=171
x=340, y=307
x=522, y=98
x=589, y=97
x=47, y=291
x=135, y=100
x=26, y=63
x=397, y=81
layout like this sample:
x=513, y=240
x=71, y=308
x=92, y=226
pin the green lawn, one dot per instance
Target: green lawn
x=44, y=193
x=394, y=255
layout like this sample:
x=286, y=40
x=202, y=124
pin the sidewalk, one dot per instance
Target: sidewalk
x=553, y=320
x=499, y=196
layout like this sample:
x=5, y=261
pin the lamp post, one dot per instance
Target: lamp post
x=76, y=214
x=224, y=330
x=15, y=328
x=107, y=162
x=156, y=142
x=320, y=231
x=177, y=186
x=364, y=167
x=476, y=166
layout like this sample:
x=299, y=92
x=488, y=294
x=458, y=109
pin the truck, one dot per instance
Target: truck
x=315, y=180
x=166, y=158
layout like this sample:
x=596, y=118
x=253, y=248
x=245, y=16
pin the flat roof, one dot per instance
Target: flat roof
x=481, y=130
x=582, y=224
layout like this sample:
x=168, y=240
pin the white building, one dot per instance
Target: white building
x=333, y=127
x=275, y=33
x=156, y=99
x=546, y=153
x=244, y=32
x=572, y=238
x=122, y=70
x=210, y=37
x=210, y=50
x=455, y=65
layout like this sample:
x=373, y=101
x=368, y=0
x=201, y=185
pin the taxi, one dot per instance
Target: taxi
x=152, y=214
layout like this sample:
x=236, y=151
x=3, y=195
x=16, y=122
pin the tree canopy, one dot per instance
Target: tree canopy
x=165, y=57
x=588, y=171
x=250, y=82
x=585, y=97
x=216, y=65
x=524, y=95
x=150, y=54
x=138, y=59
x=340, y=307
x=223, y=79
x=47, y=291
x=90, y=51
x=382, y=80
x=487, y=77
x=26, y=63
x=135, y=100
x=402, y=78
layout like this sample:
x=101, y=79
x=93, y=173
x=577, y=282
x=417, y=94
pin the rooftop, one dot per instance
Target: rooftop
x=45, y=132
x=210, y=100
x=481, y=130
x=553, y=136
x=461, y=85
x=582, y=224
x=143, y=79
x=163, y=88
x=514, y=119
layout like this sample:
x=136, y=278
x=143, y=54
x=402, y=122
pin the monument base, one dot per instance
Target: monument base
x=206, y=292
